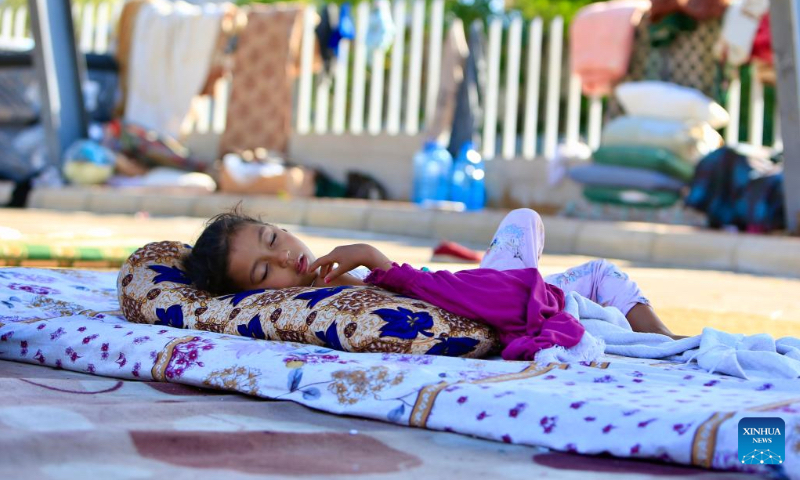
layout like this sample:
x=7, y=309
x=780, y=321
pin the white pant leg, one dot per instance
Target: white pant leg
x=517, y=243
x=601, y=282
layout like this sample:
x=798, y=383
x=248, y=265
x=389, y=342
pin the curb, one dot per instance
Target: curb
x=656, y=244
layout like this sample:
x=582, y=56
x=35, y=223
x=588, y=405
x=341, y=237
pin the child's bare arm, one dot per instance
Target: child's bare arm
x=348, y=257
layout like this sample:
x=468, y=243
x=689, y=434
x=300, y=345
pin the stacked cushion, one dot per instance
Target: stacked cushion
x=631, y=197
x=647, y=157
x=689, y=140
x=671, y=102
x=600, y=175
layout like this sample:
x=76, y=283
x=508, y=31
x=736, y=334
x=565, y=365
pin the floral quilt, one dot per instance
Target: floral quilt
x=625, y=407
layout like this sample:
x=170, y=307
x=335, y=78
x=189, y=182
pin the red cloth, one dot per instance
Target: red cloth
x=700, y=10
x=527, y=313
x=762, y=44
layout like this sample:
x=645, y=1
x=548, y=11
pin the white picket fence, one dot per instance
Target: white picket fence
x=522, y=71
x=94, y=25
x=372, y=106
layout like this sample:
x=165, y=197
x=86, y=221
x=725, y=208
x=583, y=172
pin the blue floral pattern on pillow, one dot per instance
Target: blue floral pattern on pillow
x=404, y=323
x=318, y=294
x=453, y=346
x=253, y=329
x=171, y=317
x=331, y=338
x=152, y=288
x=169, y=274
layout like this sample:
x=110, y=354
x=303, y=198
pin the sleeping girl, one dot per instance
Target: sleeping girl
x=237, y=252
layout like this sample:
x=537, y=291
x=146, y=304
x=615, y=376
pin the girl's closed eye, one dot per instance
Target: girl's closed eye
x=266, y=265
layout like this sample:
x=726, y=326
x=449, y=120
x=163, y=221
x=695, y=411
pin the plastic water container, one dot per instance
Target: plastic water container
x=88, y=163
x=468, y=181
x=432, y=166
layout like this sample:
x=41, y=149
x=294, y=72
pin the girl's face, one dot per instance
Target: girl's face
x=265, y=256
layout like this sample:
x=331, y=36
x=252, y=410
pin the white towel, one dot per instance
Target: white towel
x=750, y=357
x=590, y=347
x=170, y=59
x=609, y=326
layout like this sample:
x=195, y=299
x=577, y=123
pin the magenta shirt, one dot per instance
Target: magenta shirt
x=527, y=313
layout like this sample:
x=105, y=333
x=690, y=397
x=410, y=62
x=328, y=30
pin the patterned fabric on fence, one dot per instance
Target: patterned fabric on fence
x=687, y=60
x=265, y=65
x=127, y=20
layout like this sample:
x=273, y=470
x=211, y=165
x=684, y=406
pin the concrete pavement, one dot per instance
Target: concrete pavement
x=654, y=244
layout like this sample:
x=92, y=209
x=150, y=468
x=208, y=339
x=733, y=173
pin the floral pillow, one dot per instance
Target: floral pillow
x=152, y=288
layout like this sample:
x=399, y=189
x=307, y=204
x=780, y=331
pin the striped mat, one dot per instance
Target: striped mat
x=64, y=254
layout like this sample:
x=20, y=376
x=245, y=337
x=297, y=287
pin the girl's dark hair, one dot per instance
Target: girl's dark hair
x=207, y=264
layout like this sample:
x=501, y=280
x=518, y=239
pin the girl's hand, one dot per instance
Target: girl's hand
x=348, y=257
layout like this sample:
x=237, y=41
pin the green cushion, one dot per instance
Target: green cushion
x=650, y=158
x=631, y=197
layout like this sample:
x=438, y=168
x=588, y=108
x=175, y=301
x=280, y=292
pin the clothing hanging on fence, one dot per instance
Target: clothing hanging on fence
x=125, y=27
x=666, y=30
x=762, y=43
x=265, y=66
x=687, y=60
x=170, y=59
x=454, y=55
x=327, y=23
x=336, y=24
x=762, y=56
x=468, y=115
x=733, y=189
x=345, y=28
x=700, y=10
x=127, y=21
x=381, y=29
x=601, y=40
x=739, y=29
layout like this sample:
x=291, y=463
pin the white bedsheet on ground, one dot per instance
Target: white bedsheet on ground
x=637, y=408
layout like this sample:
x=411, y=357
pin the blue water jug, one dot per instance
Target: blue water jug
x=468, y=181
x=432, y=167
